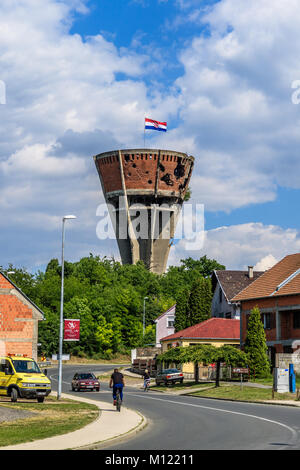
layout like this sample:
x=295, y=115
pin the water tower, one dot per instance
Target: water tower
x=144, y=190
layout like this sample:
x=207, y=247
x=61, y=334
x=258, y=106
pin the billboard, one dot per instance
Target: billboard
x=71, y=330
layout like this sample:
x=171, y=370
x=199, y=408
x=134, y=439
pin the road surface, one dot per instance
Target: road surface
x=189, y=423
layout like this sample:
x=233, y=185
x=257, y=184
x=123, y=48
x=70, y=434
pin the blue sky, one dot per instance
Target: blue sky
x=80, y=76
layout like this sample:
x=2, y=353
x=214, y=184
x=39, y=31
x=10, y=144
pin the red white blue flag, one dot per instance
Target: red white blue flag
x=155, y=125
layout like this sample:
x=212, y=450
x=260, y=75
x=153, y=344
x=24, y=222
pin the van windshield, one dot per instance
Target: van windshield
x=26, y=367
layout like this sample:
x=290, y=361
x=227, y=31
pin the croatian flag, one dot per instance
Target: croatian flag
x=155, y=125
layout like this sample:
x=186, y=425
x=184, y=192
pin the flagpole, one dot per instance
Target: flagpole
x=144, y=131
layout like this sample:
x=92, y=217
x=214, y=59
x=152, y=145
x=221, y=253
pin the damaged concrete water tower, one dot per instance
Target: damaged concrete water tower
x=144, y=190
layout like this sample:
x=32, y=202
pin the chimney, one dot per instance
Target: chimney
x=250, y=272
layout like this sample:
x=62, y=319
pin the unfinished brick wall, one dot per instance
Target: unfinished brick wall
x=286, y=317
x=18, y=321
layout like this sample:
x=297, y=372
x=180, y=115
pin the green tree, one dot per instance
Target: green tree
x=182, y=310
x=255, y=345
x=199, y=304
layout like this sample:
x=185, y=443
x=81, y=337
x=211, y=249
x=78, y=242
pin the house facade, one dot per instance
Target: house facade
x=225, y=285
x=214, y=331
x=19, y=319
x=165, y=324
x=277, y=294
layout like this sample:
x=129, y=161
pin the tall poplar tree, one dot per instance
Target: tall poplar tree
x=255, y=345
x=182, y=312
x=199, y=305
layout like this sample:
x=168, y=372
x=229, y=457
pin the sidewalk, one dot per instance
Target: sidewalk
x=109, y=426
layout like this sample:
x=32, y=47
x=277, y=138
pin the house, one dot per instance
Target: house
x=277, y=294
x=19, y=318
x=165, y=324
x=215, y=331
x=227, y=284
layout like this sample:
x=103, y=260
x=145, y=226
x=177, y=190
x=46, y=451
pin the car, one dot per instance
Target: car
x=169, y=376
x=21, y=377
x=85, y=381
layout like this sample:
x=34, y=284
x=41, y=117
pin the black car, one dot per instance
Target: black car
x=85, y=381
x=169, y=376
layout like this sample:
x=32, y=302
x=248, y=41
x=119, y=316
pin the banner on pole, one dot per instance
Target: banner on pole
x=71, y=330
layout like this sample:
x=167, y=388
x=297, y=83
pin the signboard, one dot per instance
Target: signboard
x=72, y=330
x=240, y=370
x=64, y=357
x=281, y=380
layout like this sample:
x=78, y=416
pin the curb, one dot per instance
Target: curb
x=120, y=438
x=114, y=437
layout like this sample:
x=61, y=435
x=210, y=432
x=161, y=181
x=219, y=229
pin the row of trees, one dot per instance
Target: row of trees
x=108, y=299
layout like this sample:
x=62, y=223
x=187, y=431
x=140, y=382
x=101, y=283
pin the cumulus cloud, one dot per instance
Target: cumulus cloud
x=240, y=246
x=231, y=108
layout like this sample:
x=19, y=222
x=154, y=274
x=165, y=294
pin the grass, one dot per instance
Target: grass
x=51, y=418
x=185, y=386
x=233, y=392
x=118, y=359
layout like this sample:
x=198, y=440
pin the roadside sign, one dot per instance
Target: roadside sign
x=64, y=357
x=71, y=330
x=240, y=370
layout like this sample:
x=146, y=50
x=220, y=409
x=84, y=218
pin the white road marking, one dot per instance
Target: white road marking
x=295, y=434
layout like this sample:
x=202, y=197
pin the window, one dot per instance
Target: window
x=228, y=315
x=220, y=295
x=296, y=319
x=170, y=322
x=267, y=321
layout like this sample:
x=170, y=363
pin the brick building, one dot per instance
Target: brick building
x=19, y=319
x=277, y=294
x=145, y=190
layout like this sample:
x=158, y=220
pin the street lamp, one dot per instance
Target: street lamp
x=66, y=217
x=144, y=316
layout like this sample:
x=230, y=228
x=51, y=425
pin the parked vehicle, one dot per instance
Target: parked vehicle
x=85, y=381
x=21, y=377
x=169, y=376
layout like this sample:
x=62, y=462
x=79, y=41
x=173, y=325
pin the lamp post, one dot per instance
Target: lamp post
x=66, y=217
x=144, y=315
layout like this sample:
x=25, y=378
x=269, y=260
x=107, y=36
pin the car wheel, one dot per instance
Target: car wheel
x=14, y=395
x=97, y=389
x=41, y=399
x=181, y=381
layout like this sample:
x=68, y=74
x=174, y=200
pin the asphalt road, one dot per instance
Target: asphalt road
x=189, y=423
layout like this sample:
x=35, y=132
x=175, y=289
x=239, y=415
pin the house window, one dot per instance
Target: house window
x=267, y=321
x=220, y=295
x=170, y=323
x=296, y=319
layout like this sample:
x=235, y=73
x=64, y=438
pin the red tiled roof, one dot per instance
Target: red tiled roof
x=268, y=284
x=213, y=328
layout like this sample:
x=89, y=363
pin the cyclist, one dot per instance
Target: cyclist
x=117, y=382
x=147, y=379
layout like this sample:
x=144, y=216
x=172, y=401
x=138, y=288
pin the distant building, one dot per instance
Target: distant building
x=227, y=284
x=19, y=318
x=214, y=331
x=165, y=324
x=277, y=294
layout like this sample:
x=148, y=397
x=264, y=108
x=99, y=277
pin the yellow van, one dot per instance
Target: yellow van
x=20, y=376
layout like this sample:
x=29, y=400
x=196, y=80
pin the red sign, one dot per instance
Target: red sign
x=72, y=330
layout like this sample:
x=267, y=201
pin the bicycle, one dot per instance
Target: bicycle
x=118, y=400
x=147, y=385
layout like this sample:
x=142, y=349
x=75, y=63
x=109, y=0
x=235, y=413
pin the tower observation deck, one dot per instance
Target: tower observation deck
x=144, y=190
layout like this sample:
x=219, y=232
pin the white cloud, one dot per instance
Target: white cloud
x=265, y=263
x=240, y=246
